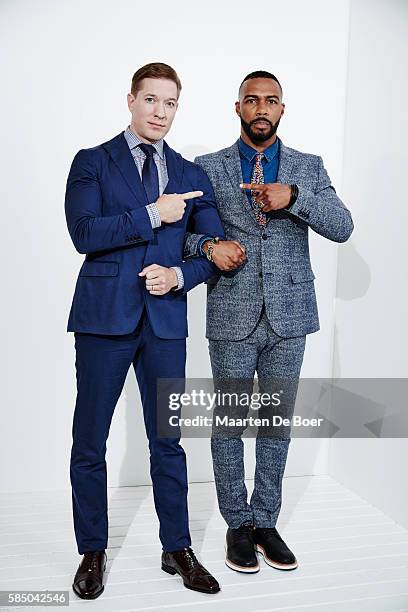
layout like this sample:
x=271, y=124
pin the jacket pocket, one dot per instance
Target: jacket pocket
x=302, y=275
x=99, y=268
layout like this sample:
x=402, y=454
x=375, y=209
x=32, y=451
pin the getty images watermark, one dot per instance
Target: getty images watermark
x=233, y=400
x=283, y=407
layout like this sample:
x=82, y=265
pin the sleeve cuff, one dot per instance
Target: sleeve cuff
x=180, y=278
x=154, y=215
x=200, y=244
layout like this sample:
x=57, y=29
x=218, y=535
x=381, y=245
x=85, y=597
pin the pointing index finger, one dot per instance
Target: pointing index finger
x=191, y=194
x=253, y=186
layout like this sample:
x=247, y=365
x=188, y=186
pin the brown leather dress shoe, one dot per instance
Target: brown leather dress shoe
x=88, y=581
x=194, y=575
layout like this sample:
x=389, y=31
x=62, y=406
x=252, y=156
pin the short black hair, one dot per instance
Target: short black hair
x=261, y=74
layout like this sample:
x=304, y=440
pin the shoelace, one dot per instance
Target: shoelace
x=90, y=562
x=244, y=532
x=191, y=558
x=270, y=532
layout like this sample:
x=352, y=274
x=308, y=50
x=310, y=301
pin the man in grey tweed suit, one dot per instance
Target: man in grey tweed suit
x=263, y=304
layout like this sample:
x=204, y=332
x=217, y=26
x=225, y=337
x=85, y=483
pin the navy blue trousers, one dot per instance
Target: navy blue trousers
x=102, y=363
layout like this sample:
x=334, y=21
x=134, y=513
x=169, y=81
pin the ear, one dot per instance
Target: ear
x=130, y=100
x=283, y=109
x=238, y=108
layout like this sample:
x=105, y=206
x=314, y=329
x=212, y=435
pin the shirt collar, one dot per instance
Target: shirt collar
x=249, y=153
x=133, y=141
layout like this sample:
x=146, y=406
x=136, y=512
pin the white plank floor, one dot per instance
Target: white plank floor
x=352, y=557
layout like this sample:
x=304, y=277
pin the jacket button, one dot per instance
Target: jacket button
x=264, y=237
x=260, y=274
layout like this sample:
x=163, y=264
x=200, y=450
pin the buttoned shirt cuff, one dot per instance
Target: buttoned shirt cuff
x=154, y=215
x=200, y=245
x=180, y=278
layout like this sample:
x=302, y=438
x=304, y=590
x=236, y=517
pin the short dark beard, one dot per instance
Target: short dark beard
x=259, y=138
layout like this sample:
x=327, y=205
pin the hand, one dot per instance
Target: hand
x=227, y=254
x=271, y=196
x=159, y=280
x=171, y=205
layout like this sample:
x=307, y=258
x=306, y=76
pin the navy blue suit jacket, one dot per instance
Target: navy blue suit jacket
x=108, y=222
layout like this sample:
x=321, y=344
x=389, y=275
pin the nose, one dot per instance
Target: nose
x=160, y=111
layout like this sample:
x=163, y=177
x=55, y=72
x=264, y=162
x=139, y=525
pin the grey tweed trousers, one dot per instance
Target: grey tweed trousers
x=270, y=356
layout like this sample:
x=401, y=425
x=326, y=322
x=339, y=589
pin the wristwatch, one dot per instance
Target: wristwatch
x=211, y=247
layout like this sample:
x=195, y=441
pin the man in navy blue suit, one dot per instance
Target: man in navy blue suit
x=129, y=203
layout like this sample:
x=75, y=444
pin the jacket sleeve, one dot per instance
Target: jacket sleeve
x=191, y=240
x=191, y=245
x=89, y=230
x=322, y=209
x=204, y=220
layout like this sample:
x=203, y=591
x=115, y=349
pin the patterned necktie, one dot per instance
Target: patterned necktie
x=258, y=177
x=150, y=175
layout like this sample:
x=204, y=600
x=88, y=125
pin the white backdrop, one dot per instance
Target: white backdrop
x=66, y=69
x=372, y=289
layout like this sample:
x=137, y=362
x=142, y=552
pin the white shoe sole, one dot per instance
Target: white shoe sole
x=275, y=564
x=240, y=568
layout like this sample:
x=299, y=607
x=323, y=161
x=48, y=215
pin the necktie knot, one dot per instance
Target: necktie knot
x=147, y=149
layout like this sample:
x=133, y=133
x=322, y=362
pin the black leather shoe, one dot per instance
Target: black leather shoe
x=240, y=548
x=88, y=581
x=194, y=575
x=273, y=549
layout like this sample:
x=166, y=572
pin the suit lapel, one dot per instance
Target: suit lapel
x=174, y=164
x=285, y=164
x=232, y=165
x=284, y=172
x=120, y=153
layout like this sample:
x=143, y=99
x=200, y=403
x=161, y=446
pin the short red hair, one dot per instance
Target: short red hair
x=155, y=70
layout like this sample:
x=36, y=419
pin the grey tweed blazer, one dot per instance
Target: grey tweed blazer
x=278, y=270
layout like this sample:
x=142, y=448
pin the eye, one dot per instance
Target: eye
x=149, y=99
x=273, y=101
x=171, y=104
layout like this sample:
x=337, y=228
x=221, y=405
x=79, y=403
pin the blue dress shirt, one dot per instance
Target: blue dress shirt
x=270, y=162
